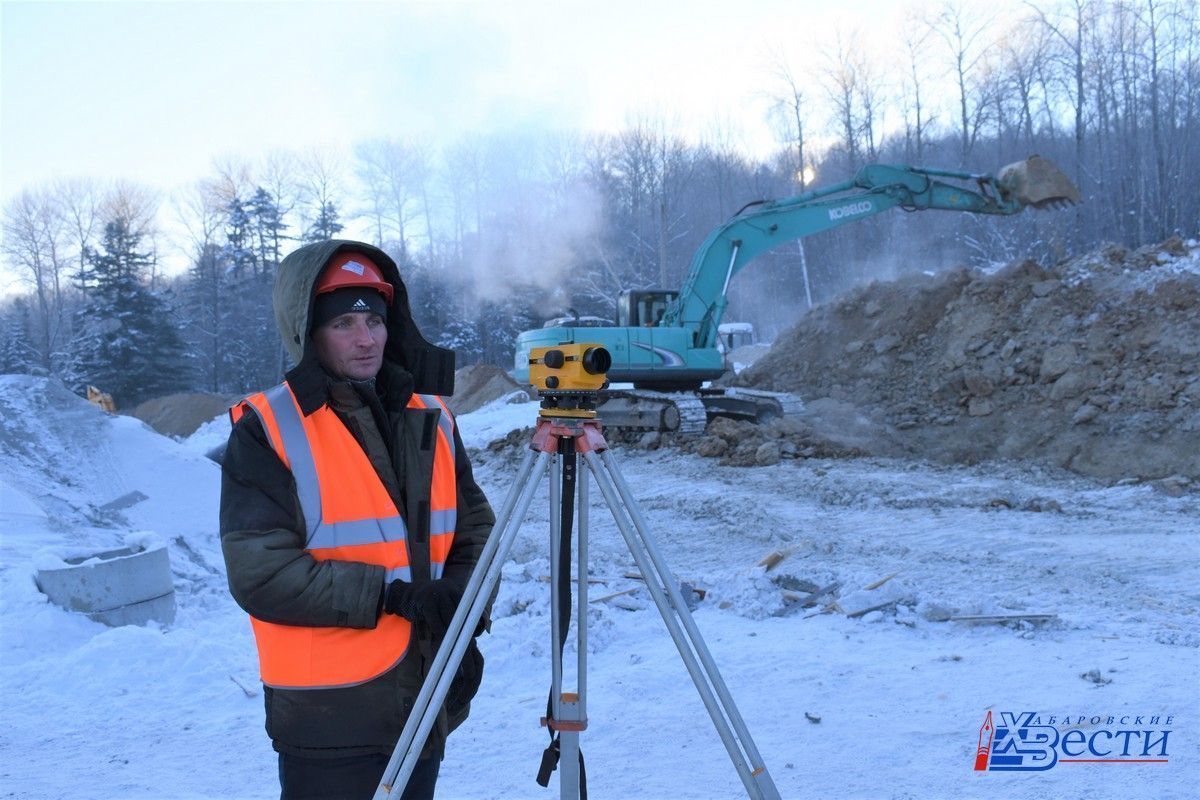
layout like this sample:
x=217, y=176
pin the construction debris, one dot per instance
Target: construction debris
x=812, y=598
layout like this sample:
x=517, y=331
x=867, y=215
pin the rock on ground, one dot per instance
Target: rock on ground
x=1092, y=364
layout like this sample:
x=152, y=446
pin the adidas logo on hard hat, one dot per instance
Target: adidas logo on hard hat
x=359, y=305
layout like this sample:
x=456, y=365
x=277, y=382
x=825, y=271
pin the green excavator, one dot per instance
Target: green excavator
x=665, y=342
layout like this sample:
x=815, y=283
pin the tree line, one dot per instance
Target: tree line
x=495, y=233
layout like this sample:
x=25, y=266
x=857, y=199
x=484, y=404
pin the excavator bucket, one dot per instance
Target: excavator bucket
x=1037, y=182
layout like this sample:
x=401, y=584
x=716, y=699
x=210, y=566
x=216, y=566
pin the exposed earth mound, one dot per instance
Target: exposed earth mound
x=182, y=413
x=1092, y=364
x=479, y=384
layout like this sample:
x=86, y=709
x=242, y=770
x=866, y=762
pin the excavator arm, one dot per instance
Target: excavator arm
x=876, y=188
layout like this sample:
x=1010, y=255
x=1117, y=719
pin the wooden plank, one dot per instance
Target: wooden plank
x=864, y=611
x=616, y=594
x=774, y=558
x=873, y=586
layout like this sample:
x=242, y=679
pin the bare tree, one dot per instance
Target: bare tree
x=965, y=31
x=725, y=164
x=463, y=182
x=917, y=117
x=393, y=174
x=1069, y=24
x=789, y=106
x=202, y=212
x=34, y=243
x=1023, y=47
x=79, y=202
x=841, y=79
x=234, y=178
x=672, y=173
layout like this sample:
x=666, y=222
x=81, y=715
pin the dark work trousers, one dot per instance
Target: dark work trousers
x=351, y=778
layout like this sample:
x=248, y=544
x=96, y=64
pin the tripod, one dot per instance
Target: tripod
x=559, y=438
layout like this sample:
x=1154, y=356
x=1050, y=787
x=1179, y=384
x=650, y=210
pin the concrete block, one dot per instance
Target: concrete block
x=129, y=586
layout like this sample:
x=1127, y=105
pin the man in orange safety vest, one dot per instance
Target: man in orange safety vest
x=350, y=525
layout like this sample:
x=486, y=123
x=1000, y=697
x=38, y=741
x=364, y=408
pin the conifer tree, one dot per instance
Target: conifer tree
x=253, y=357
x=17, y=354
x=325, y=226
x=266, y=220
x=462, y=336
x=126, y=342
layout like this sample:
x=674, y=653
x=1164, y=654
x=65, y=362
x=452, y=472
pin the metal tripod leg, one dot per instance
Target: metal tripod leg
x=695, y=654
x=572, y=708
x=569, y=709
x=462, y=627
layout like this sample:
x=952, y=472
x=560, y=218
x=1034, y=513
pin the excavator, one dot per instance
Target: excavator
x=665, y=341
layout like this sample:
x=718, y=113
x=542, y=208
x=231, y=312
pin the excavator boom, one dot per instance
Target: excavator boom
x=1034, y=182
x=679, y=350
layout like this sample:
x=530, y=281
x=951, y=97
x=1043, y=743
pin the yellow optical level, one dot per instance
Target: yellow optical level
x=569, y=368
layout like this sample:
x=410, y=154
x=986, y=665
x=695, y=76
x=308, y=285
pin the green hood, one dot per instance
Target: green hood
x=432, y=367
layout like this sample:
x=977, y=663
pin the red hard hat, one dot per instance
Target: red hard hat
x=353, y=269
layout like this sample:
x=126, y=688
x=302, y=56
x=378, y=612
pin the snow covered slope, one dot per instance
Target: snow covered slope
x=883, y=705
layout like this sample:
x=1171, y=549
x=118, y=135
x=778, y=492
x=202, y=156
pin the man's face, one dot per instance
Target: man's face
x=351, y=346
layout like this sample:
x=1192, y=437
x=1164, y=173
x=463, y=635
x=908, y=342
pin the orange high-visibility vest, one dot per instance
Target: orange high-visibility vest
x=349, y=516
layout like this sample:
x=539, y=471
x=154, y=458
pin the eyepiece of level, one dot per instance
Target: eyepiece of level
x=596, y=360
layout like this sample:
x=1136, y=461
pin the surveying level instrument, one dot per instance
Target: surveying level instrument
x=568, y=379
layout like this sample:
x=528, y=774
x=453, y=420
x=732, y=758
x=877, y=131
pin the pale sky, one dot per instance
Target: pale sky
x=154, y=92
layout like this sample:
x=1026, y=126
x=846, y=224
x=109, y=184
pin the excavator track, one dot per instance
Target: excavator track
x=755, y=405
x=687, y=412
x=640, y=409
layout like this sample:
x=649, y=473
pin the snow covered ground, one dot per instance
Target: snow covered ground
x=886, y=705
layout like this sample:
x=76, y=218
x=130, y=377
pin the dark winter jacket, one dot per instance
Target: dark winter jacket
x=262, y=528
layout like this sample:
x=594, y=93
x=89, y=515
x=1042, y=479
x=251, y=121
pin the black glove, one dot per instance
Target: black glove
x=466, y=681
x=432, y=603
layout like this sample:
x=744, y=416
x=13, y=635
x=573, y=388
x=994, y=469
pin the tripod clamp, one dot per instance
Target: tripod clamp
x=586, y=433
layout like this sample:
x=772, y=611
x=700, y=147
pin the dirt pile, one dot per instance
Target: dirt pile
x=479, y=384
x=1092, y=364
x=182, y=413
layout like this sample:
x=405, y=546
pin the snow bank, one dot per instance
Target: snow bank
x=90, y=478
x=884, y=705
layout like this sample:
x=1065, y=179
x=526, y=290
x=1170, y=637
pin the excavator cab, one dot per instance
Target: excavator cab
x=643, y=308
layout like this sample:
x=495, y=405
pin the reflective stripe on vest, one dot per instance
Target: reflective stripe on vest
x=348, y=516
x=443, y=496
